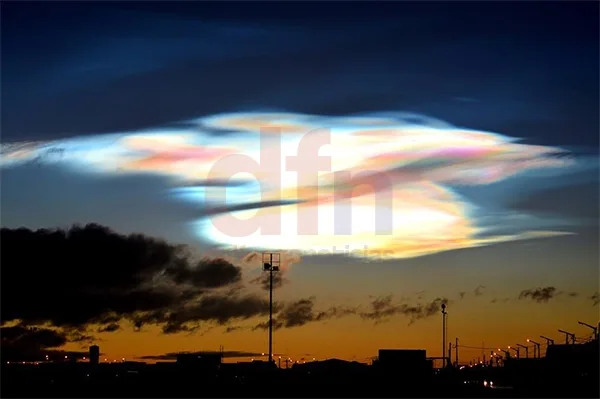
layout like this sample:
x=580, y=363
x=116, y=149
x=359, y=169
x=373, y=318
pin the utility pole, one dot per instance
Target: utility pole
x=567, y=336
x=449, y=353
x=443, y=335
x=456, y=351
x=270, y=264
x=482, y=351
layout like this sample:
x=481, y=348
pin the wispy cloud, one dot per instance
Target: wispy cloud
x=539, y=295
x=301, y=312
x=383, y=308
x=479, y=290
x=595, y=298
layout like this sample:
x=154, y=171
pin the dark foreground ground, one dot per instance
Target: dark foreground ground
x=272, y=386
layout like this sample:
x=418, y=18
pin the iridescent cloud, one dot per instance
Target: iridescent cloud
x=389, y=185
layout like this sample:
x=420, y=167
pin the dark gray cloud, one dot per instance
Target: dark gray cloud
x=539, y=295
x=214, y=210
x=22, y=343
x=301, y=312
x=210, y=308
x=129, y=278
x=383, y=308
x=477, y=292
x=284, y=260
x=227, y=354
x=113, y=277
x=595, y=298
x=112, y=327
x=264, y=282
x=80, y=336
x=207, y=273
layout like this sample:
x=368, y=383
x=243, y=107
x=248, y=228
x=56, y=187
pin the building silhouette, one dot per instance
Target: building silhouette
x=199, y=361
x=404, y=361
x=94, y=354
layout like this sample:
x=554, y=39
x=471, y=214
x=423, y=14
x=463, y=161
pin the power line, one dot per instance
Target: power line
x=477, y=347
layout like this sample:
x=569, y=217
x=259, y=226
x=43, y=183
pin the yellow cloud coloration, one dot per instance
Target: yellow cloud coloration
x=384, y=181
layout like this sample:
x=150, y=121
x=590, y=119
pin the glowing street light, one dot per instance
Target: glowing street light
x=516, y=350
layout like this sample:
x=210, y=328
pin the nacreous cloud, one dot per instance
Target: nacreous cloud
x=299, y=182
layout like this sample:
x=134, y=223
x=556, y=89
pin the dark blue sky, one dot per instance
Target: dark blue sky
x=522, y=69
x=525, y=69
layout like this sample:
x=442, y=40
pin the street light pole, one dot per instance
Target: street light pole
x=272, y=265
x=567, y=336
x=271, y=311
x=526, y=350
x=456, y=352
x=594, y=329
x=506, y=353
x=549, y=341
x=443, y=335
x=536, y=346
